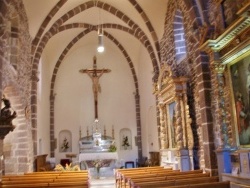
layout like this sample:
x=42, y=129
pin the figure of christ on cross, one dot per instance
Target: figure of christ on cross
x=95, y=74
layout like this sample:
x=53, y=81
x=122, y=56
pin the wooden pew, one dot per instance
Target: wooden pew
x=126, y=178
x=238, y=185
x=47, y=179
x=56, y=172
x=24, y=185
x=133, y=170
x=164, y=183
x=32, y=181
x=162, y=178
x=222, y=184
x=68, y=184
x=120, y=172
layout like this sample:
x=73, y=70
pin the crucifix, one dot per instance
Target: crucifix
x=95, y=74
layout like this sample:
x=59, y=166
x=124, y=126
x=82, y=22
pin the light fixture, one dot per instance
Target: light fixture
x=100, y=47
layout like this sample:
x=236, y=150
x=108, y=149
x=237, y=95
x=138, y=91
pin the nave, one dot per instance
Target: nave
x=143, y=177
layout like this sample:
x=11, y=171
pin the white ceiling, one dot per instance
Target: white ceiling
x=37, y=11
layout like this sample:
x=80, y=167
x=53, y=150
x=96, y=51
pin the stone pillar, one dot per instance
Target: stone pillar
x=138, y=122
x=4, y=130
x=52, y=127
x=208, y=156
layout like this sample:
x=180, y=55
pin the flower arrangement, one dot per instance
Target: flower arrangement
x=112, y=148
x=65, y=144
x=98, y=164
x=125, y=142
x=69, y=167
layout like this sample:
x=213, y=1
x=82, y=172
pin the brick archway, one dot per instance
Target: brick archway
x=133, y=29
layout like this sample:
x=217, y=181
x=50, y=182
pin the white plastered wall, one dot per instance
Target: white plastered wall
x=148, y=105
x=74, y=103
x=43, y=108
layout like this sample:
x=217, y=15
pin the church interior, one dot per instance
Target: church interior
x=114, y=86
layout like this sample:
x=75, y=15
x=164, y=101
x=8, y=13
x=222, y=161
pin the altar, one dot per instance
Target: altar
x=97, y=151
x=98, y=156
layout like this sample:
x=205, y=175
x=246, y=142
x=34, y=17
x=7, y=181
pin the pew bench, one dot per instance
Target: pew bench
x=24, y=185
x=119, y=173
x=126, y=178
x=222, y=184
x=164, y=178
x=164, y=183
x=126, y=181
x=70, y=179
x=57, y=172
x=120, y=176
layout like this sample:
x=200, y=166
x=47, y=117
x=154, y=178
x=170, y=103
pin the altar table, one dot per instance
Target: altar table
x=96, y=156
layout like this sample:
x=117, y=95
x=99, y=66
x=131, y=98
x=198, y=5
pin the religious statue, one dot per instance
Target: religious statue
x=95, y=79
x=95, y=74
x=6, y=116
x=125, y=142
x=65, y=145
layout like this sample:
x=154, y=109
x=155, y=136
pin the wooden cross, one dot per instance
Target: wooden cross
x=95, y=74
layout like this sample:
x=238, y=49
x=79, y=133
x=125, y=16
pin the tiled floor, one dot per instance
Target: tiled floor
x=106, y=180
x=103, y=182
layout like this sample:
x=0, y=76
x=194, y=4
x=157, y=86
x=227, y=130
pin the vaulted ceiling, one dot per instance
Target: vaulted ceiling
x=56, y=25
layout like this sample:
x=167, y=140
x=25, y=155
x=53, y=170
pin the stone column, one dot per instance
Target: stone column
x=4, y=130
x=206, y=121
x=52, y=127
x=138, y=122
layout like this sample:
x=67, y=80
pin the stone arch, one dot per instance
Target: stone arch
x=54, y=29
x=136, y=31
x=130, y=63
x=106, y=7
x=46, y=21
x=148, y=24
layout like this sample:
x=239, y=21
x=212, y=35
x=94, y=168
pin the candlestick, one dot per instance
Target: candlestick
x=80, y=132
x=113, y=132
x=104, y=132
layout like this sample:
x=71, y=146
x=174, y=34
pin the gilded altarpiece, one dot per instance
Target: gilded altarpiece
x=230, y=61
x=175, y=123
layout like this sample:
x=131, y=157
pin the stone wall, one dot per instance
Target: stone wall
x=196, y=66
x=15, y=75
x=209, y=95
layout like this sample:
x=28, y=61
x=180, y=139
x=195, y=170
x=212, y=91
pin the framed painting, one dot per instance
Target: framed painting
x=240, y=77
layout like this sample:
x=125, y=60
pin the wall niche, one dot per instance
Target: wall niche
x=65, y=141
x=125, y=139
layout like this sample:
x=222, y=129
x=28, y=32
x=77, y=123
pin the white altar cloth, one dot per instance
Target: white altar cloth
x=95, y=156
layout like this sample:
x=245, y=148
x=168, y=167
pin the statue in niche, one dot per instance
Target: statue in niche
x=6, y=115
